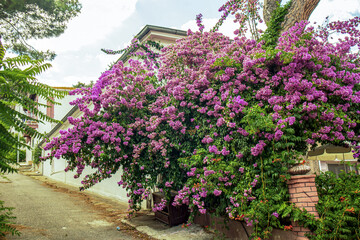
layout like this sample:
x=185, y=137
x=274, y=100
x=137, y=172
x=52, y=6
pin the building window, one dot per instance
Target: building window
x=338, y=167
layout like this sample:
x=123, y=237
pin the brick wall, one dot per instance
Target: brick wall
x=50, y=109
x=303, y=193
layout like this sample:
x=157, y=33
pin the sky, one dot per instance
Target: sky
x=111, y=24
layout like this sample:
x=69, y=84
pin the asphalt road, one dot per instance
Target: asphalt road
x=44, y=213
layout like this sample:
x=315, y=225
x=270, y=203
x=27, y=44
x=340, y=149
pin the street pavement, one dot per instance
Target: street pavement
x=44, y=212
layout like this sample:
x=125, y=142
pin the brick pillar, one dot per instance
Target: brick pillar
x=303, y=193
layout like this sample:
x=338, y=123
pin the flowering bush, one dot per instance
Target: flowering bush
x=339, y=206
x=220, y=120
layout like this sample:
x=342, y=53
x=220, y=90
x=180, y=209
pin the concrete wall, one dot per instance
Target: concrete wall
x=59, y=111
x=237, y=230
x=108, y=187
x=55, y=170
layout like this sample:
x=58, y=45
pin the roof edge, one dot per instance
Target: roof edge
x=145, y=31
x=149, y=28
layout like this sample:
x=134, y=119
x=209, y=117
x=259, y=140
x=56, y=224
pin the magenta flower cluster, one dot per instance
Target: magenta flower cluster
x=189, y=116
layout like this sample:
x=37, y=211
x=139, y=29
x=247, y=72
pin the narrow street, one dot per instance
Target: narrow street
x=45, y=210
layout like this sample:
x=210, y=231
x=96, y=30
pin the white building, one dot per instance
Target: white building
x=55, y=111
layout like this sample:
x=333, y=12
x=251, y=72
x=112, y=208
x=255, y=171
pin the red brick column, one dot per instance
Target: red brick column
x=303, y=193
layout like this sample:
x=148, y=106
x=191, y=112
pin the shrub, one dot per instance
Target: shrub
x=339, y=206
x=220, y=120
x=36, y=153
x=6, y=221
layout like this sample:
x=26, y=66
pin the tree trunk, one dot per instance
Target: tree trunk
x=299, y=10
x=269, y=7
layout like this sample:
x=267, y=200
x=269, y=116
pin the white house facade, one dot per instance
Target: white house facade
x=55, y=111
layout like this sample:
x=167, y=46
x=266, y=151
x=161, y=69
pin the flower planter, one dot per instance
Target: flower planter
x=299, y=169
x=170, y=215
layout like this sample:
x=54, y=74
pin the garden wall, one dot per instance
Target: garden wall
x=107, y=188
x=303, y=193
x=237, y=230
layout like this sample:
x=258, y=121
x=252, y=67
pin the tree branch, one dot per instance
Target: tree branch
x=22, y=39
x=269, y=7
x=299, y=10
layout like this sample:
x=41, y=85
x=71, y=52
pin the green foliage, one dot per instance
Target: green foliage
x=257, y=120
x=22, y=153
x=81, y=85
x=6, y=218
x=272, y=33
x=21, y=20
x=146, y=52
x=36, y=153
x=13, y=155
x=338, y=207
x=263, y=179
x=17, y=85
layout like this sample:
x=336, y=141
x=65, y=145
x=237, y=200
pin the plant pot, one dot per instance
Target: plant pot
x=299, y=169
x=170, y=215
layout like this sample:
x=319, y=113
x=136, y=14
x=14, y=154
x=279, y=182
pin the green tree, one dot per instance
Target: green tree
x=21, y=153
x=299, y=10
x=17, y=85
x=21, y=20
x=81, y=85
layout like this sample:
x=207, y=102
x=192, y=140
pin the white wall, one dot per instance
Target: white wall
x=28, y=155
x=55, y=170
x=59, y=111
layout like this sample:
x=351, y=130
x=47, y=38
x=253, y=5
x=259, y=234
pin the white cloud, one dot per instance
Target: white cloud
x=106, y=59
x=55, y=67
x=335, y=9
x=96, y=20
x=71, y=80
